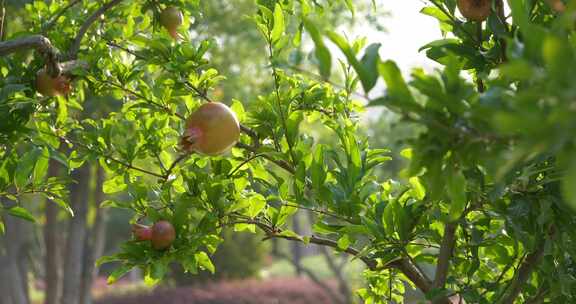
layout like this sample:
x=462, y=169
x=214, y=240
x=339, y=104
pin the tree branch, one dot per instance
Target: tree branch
x=445, y=254
x=38, y=42
x=2, y=17
x=405, y=265
x=524, y=272
x=412, y=272
x=282, y=164
x=539, y=297
x=73, y=52
x=54, y=19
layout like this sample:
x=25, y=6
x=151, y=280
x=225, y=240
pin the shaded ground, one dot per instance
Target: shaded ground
x=276, y=291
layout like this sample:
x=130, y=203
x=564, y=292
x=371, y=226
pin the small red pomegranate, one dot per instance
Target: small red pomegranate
x=475, y=10
x=142, y=232
x=211, y=130
x=163, y=235
x=171, y=18
x=52, y=86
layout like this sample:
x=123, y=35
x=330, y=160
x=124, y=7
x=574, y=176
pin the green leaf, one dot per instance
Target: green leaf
x=369, y=73
x=321, y=51
x=418, y=189
x=397, y=92
x=106, y=259
x=344, y=242
x=41, y=167
x=62, y=111
x=256, y=205
x=62, y=204
x=367, y=69
x=291, y=234
x=2, y=228
x=118, y=273
x=22, y=213
x=293, y=126
x=238, y=108
x=456, y=188
x=350, y=7
x=318, y=169
x=25, y=167
x=204, y=261
x=155, y=273
x=279, y=26
x=114, y=185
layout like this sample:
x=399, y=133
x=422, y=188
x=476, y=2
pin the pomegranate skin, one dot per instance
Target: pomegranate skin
x=52, y=86
x=163, y=235
x=211, y=130
x=142, y=232
x=475, y=10
x=171, y=18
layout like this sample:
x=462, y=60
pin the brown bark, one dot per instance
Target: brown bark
x=76, y=233
x=446, y=250
x=51, y=259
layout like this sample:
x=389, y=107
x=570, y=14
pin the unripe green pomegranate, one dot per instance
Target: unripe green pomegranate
x=52, y=86
x=475, y=10
x=171, y=18
x=212, y=129
x=163, y=235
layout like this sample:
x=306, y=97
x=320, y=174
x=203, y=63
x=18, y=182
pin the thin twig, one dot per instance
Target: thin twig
x=150, y=101
x=318, y=211
x=173, y=165
x=73, y=53
x=108, y=157
x=280, y=163
x=327, y=81
x=54, y=19
x=249, y=159
x=114, y=44
x=283, y=118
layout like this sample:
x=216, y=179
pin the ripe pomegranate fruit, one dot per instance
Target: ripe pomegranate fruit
x=163, y=234
x=212, y=129
x=171, y=18
x=475, y=10
x=52, y=86
x=142, y=232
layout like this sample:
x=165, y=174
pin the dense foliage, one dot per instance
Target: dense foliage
x=488, y=199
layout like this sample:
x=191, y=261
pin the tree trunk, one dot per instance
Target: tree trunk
x=14, y=271
x=343, y=286
x=297, y=246
x=94, y=245
x=52, y=278
x=76, y=233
